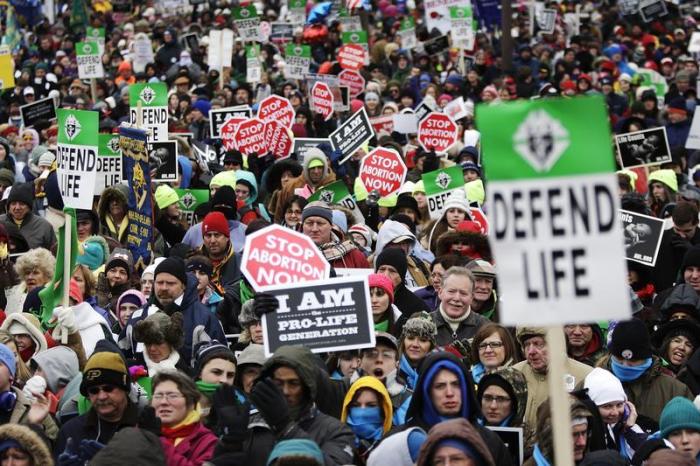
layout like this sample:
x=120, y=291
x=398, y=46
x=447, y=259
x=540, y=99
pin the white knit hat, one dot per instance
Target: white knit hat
x=603, y=387
x=457, y=200
x=46, y=159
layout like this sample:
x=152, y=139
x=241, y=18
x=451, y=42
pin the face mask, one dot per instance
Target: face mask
x=629, y=373
x=366, y=423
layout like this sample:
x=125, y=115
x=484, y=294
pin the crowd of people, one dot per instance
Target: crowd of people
x=166, y=364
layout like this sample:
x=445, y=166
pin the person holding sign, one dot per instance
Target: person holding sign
x=455, y=210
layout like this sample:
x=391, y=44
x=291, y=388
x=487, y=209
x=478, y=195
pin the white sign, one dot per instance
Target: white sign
x=89, y=60
x=220, y=51
x=143, y=52
x=437, y=14
x=693, y=141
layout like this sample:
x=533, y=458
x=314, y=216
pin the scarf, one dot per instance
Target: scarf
x=627, y=373
x=366, y=423
x=478, y=371
x=167, y=364
x=409, y=372
x=382, y=326
x=113, y=230
x=335, y=251
x=176, y=434
x=207, y=389
x=246, y=292
x=454, y=321
x=539, y=458
x=216, y=273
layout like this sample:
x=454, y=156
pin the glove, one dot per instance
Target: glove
x=149, y=421
x=268, y=398
x=34, y=386
x=232, y=416
x=336, y=155
x=70, y=457
x=65, y=318
x=680, y=244
x=89, y=448
x=264, y=303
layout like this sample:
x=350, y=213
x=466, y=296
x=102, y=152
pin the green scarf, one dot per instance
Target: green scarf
x=382, y=326
x=206, y=389
x=247, y=292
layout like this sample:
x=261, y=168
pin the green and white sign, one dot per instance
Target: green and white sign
x=76, y=156
x=253, y=72
x=337, y=193
x=553, y=211
x=96, y=35
x=247, y=23
x=296, y=11
x=89, y=60
x=109, y=162
x=463, y=27
x=153, y=98
x=190, y=200
x=439, y=185
x=359, y=38
x=349, y=22
x=407, y=33
x=298, y=60
x=655, y=80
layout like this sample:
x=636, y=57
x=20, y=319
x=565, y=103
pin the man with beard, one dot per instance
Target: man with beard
x=175, y=290
x=115, y=279
x=106, y=385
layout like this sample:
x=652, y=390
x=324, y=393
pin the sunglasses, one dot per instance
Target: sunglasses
x=101, y=388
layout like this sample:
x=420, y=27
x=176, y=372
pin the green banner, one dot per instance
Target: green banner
x=439, y=185
x=96, y=34
x=87, y=48
x=460, y=12
x=78, y=15
x=545, y=138
x=149, y=94
x=337, y=193
x=109, y=145
x=76, y=156
x=245, y=12
x=407, y=23
x=109, y=162
x=190, y=200
x=355, y=37
x=296, y=4
x=295, y=50
x=77, y=127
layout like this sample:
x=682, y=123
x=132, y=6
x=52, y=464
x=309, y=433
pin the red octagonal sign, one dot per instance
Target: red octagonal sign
x=277, y=255
x=351, y=57
x=228, y=131
x=250, y=137
x=322, y=99
x=383, y=169
x=354, y=81
x=437, y=132
x=276, y=108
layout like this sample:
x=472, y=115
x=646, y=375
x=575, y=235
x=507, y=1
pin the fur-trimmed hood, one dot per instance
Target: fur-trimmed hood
x=478, y=242
x=20, y=323
x=30, y=441
x=118, y=191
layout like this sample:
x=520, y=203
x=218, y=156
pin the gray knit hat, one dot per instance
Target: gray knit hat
x=247, y=315
x=421, y=325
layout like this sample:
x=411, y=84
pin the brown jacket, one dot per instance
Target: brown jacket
x=457, y=429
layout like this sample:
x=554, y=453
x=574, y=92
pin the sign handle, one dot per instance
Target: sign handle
x=67, y=272
x=558, y=398
x=139, y=114
x=93, y=90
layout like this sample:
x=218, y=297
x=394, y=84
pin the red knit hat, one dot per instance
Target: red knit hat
x=215, y=221
x=378, y=280
x=74, y=291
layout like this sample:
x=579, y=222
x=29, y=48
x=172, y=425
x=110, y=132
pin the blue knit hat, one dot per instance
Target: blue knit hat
x=296, y=447
x=679, y=413
x=95, y=253
x=8, y=359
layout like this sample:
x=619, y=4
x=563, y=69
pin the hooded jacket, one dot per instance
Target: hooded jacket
x=301, y=185
x=478, y=244
x=455, y=429
x=248, y=211
x=391, y=230
x=595, y=349
x=333, y=437
x=59, y=365
x=394, y=450
x=120, y=193
x=36, y=230
x=29, y=441
x=169, y=52
x=518, y=392
x=421, y=410
x=682, y=295
x=24, y=323
x=199, y=324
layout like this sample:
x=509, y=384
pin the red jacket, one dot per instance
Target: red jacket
x=352, y=260
x=193, y=450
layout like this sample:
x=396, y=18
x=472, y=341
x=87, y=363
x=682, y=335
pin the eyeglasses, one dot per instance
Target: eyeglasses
x=101, y=388
x=167, y=396
x=374, y=354
x=490, y=344
x=500, y=400
x=293, y=212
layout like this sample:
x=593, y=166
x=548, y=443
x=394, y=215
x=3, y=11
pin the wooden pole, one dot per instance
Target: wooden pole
x=139, y=114
x=67, y=272
x=93, y=90
x=559, y=398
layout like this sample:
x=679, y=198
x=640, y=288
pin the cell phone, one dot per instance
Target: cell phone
x=626, y=413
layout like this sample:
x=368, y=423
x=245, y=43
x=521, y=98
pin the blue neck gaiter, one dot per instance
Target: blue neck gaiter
x=410, y=373
x=478, y=371
x=627, y=373
x=539, y=458
x=366, y=423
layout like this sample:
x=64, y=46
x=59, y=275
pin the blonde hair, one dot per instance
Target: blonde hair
x=23, y=374
x=38, y=258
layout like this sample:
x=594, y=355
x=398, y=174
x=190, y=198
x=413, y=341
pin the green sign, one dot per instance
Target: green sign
x=546, y=138
x=109, y=162
x=337, y=193
x=460, y=12
x=149, y=94
x=439, y=185
x=190, y=200
x=76, y=156
x=95, y=34
x=295, y=50
x=407, y=23
x=654, y=80
x=355, y=37
x=245, y=12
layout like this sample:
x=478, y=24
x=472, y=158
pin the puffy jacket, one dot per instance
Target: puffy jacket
x=199, y=324
x=416, y=415
x=651, y=391
x=36, y=230
x=192, y=450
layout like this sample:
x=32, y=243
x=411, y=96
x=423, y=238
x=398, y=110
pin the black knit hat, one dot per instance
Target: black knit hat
x=630, y=340
x=224, y=201
x=691, y=258
x=394, y=257
x=208, y=350
x=174, y=266
x=406, y=200
x=21, y=193
x=497, y=379
x=106, y=366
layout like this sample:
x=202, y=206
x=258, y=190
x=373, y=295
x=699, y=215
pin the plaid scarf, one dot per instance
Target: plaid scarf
x=333, y=251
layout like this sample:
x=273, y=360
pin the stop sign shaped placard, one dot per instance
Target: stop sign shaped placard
x=351, y=57
x=276, y=108
x=228, y=131
x=437, y=132
x=250, y=137
x=322, y=99
x=279, y=139
x=277, y=255
x=383, y=169
x=354, y=81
